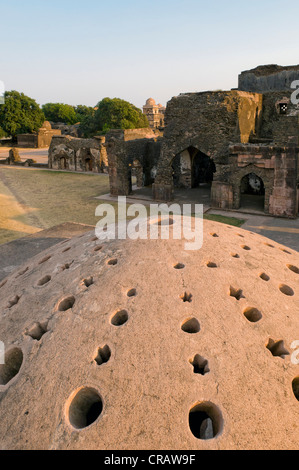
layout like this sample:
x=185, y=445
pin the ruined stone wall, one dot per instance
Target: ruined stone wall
x=27, y=140
x=70, y=153
x=209, y=122
x=276, y=166
x=268, y=78
x=124, y=155
x=41, y=139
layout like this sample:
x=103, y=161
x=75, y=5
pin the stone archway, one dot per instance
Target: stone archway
x=88, y=164
x=63, y=163
x=192, y=168
x=264, y=174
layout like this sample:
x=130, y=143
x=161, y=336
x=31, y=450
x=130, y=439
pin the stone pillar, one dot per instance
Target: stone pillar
x=222, y=195
x=283, y=201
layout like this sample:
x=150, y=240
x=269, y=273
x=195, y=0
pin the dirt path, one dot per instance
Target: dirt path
x=15, y=216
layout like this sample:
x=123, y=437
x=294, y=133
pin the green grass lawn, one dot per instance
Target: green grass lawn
x=225, y=220
x=31, y=200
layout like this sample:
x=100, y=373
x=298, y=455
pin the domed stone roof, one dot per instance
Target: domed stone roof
x=47, y=125
x=150, y=102
x=143, y=345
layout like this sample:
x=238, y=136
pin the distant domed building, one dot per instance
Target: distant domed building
x=154, y=113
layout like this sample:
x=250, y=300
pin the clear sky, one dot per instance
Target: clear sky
x=80, y=51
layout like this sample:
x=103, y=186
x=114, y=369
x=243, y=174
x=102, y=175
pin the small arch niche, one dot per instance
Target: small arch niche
x=84, y=407
x=205, y=421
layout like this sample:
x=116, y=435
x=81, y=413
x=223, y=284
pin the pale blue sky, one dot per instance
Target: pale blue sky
x=78, y=52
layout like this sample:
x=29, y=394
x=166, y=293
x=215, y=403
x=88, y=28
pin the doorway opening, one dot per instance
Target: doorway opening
x=252, y=192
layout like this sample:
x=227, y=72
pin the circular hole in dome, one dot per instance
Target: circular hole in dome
x=179, y=266
x=23, y=272
x=94, y=239
x=66, y=303
x=269, y=245
x=286, y=290
x=164, y=221
x=88, y=281
x=246, y=247
x=112, y=262
x=191, y=326
x=12, y=365
x=252, y=314
x=213, y=234
x=211, y=264
x=205, y=421
x=13, y=302
x=295, y=387
x=46, y=258
x=37, y=330
x=3, y=283
x=44, y=280
x=285, y=251
x=120, y=318
x=239, y=235
x=293, y=268
x=235, y=255
x=85, y=407
x=97, y=248
x=264, y=277
x=66, y=249
x=132, y=293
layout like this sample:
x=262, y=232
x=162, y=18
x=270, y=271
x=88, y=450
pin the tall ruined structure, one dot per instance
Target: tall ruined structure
x=232, y=138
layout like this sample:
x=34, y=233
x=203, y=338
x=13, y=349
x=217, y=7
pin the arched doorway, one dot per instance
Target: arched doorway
x=192, y=169
x=252, y=192
x=62, y=163
x=203, y=169
x=88, y=164
x=137, y=171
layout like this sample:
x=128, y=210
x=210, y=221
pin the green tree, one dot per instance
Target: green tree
x=83, y=111
x=59, y=112
x=2, y=133
x=20, y=114
x=113, y=114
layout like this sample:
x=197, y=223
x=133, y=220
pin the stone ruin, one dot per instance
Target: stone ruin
x=132, y=152
x=40, y=139
x=76, y=154
x=225, y=139
x=100, y=354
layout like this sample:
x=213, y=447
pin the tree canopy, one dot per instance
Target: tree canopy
x=113, y=113
x=60, y=112
x=20, y=114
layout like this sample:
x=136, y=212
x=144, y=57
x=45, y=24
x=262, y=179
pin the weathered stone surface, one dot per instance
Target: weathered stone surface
x=128, y=151
x=171, y=330
x=268, y=78
x=39, y=139
x=70, y=153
